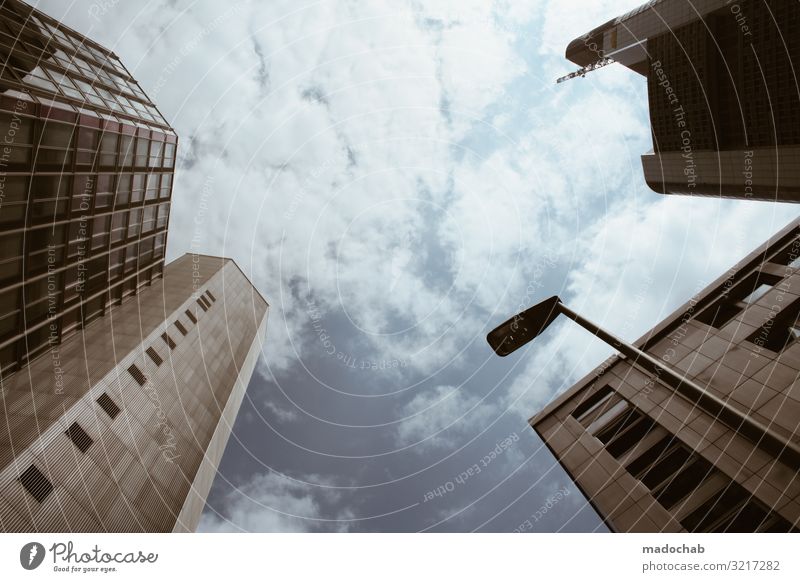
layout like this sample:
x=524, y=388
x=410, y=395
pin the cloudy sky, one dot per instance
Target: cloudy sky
x=398, y=177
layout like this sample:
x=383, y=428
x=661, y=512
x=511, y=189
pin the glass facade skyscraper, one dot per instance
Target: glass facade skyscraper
x=86, y=168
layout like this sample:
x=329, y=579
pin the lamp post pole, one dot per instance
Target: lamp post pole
x=524, y=327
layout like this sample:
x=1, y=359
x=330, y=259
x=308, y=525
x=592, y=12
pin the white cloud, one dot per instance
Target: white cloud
x=270, y=502
x=441, y=417
x=637, y=265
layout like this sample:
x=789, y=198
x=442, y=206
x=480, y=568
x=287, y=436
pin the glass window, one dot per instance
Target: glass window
x=58, y=135
x=163, y=216
x=49, y=210
x=82, y=191
x=78, y=234
x=780, y=331
x=10, y=270
x=108, y=149
x=155, y=154
x=48, y=157
x=137, y=192
x=115, y=264
x=149, y=219
x=158, y=250
x=152, y=187
x=126, y=150
x=758, y=293
x=18, y=129
x=100, y=231
x=88, y=138
x=87, y=145
x=9, y=321
x=10, y=246
x=38, y=78
x=169, y=155
x=15, y=189
x=118, y=226
x=46, y=187
x=18, y=135
x=104, y=199
x=166, y=182
x=142, y=147
x=131, y=255
x=135, y=222
x=123, y=190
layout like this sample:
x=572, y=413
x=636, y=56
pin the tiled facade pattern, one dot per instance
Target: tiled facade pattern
x=116, y=440
x=86, y=168
x=721, y=90
x=649, y=460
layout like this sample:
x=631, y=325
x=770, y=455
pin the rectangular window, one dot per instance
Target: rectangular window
x=135, y=222
x=142, y=148
x=123, y=190
x=191, y=316
x=737, y=298
x=210, y=296
x=158, y=248
x=151, y=188
x=166, y=182
x=757, y=294
x=108, y=405
x=108, y=149
x=149, y=219
x=79, y=437
x=201, y=304
x=155, y=154
x=154, y=356
x=181, y=329
x=104, y=199
x=126, y=149
x=780, y=331
x=163, y=216
x=591, y=402
x=36, y=483
x=168, y=340
x=137, y=375
x=118, y=227
x=137, y=192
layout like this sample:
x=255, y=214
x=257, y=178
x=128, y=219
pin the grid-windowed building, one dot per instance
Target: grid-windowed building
x=649, y=459
x=120, y=377
x=722, y=91
x=86, y=166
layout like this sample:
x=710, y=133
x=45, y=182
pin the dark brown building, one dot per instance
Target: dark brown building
x=120, y=377
x=650, y=460
x=722, y=90
x=86, y=167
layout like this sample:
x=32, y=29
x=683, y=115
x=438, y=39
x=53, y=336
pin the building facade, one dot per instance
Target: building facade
x=121, y=427
x=120, y=377
x=651, y=460
x=86, y=167
x=722, y=93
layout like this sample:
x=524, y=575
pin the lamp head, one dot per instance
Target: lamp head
x=523, y=327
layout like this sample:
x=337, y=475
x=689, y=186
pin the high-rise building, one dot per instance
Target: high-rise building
x=121, y=426
x=722, y=91
x=86, y=166
x=120, y=377
x=649, y=459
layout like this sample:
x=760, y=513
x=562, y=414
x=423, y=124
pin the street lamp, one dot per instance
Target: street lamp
x=526, y=326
